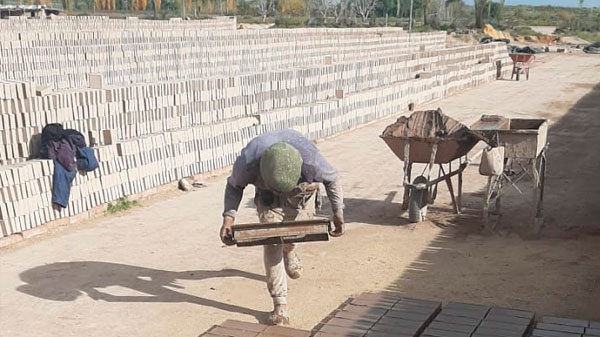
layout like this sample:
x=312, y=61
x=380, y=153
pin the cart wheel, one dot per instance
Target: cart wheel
x=417, y=202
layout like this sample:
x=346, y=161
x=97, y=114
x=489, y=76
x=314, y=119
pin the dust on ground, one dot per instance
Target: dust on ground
x=160, y=270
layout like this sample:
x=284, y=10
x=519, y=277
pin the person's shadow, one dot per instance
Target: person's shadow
x=65, y=281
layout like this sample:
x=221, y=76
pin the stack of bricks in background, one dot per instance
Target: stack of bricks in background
x=379, y=315
x=565, y=327
x=231, y=328
x=137, y=51
x=161, y=104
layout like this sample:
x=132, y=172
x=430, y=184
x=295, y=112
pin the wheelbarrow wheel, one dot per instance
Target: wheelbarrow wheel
x=417, y=201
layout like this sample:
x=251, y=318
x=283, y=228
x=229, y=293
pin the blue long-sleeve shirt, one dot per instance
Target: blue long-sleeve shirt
x=315, y=169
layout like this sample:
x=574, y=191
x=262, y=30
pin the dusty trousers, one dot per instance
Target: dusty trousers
x=299, y=204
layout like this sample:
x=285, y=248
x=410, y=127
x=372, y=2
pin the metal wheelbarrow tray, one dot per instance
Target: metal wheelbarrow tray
x=430, y=137
x=525, y=144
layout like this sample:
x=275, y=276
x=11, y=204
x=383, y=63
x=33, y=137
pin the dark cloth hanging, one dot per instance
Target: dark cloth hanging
x=69, y=151
x=61, y=186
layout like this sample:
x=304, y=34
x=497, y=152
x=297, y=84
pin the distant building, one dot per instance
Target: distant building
x=27, y=11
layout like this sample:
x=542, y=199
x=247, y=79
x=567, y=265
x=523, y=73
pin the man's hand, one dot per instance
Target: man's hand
x=338, y=222
x=227, y=231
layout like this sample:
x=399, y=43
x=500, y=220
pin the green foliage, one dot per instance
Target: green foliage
x=286, y=21
x=589, y=36
x=523, y=31
x=121, y=205
x=245, y=8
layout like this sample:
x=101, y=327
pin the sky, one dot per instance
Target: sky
x=562, y=3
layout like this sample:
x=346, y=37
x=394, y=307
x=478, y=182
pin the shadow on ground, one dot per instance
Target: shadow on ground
x=556, y=275
x=572, y=189
x=66, y=281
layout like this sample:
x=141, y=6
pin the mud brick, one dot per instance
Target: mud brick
x=476, y=308
x=452, y=327
x=498, y=332
x=230, y=332
x=233, y=324
x=507, y=319
x=511, y=312
x=443, y=333
x=349, y=323
x=326, y=334
x=592, y=331
x=363, y=310
x=406, y=307
x=372, y=303
x=385, y=334
x=357, y=317
x=396, y=330
x=342, y=331
x=477, y=334
x=422, y=303
x=208, y=334
x=412, y=316
x=400, y=322
x=549, y=333
x=565, y=321
x=465, y=313
x=384, y=297
x=443, y=317
x=561, y=328
x=284, y=331
x=503, y=326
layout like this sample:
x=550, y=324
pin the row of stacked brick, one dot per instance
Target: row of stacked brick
x=328, y=117
x=61, y=54
x=140, y=109
x=140, y=163
x=125, y=168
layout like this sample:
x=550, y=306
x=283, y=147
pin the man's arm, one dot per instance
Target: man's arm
x=234, y=191
x=326, y=174
x=233, y=198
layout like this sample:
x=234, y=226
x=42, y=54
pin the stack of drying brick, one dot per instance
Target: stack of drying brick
x=379, y=315
x=161, y=104
x=566, y=327
x=501, y=322
x=231, y=328
x=135, y=51
x=389, y=315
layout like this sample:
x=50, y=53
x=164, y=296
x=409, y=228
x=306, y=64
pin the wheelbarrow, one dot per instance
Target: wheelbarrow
x=444, y=147
x=521, y=64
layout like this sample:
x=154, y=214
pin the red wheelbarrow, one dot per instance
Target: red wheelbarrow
x=521, y=64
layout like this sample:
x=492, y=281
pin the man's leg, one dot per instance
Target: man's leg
x=298, y=208
x=274, y=266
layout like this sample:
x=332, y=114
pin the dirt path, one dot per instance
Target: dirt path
x=161, y=271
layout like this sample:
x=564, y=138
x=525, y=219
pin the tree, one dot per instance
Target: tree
x=323, y=7
x=500, y=11
x=293, y=7
x=425, y=5
x=480, y=8
x=265, y=7
x=340, y=11
x=364, y=8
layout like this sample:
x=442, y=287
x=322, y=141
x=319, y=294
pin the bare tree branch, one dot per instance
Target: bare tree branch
x=364, y=8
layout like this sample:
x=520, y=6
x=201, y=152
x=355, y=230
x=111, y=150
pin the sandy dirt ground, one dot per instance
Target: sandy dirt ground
x=160, y=270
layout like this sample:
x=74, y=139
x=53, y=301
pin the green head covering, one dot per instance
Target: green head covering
x=281, y=167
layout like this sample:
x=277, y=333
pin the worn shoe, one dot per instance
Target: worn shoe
x=279, y=316
x=293, y=266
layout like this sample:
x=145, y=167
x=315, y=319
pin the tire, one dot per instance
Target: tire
x=417, y=202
